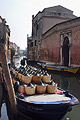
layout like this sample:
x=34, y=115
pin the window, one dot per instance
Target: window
x=59, y=14
x=65, y=14
x=36, y=27
x=50, y=13
x=9, y=33
x=31, y=44
x=8, y=44
x=35, y=42
x=54, y=13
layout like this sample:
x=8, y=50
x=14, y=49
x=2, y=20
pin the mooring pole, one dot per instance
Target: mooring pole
x=0, y=92
x=7, y=77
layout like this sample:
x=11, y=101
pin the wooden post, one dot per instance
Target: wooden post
x=8, y=79
x=0, y=92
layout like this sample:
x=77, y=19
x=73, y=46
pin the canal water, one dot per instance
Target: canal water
x=65, y=81
x=69, y=82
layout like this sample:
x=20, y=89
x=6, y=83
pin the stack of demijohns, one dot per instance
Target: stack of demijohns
x=31, y=80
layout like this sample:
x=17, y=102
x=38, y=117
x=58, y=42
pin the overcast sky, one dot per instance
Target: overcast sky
x=18, y=15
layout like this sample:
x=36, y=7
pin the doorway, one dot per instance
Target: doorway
x=65, y=51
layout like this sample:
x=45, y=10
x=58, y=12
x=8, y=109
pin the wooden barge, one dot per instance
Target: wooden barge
x=43, y=104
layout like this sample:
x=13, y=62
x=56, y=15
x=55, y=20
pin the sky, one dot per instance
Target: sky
x=18, y=15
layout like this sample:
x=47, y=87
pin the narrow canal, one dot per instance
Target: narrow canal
x=65, y=81
x=69, y=82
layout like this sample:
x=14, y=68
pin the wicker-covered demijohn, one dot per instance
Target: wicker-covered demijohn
x=20, y=76
x=26, y=79
x=29, y=90
x=36, y=79
x=41, y=88
x=21, y=89
x=52, y=88
x=46, y=78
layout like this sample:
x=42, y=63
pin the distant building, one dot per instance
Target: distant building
x=5, y=34
x=23, y=52
x=41, y=23
x=15, y=47
x=29, y=45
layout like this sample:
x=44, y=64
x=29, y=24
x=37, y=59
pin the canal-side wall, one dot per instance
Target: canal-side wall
x=52, y=42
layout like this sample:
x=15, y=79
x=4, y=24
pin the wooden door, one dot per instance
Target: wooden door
x=65, y=51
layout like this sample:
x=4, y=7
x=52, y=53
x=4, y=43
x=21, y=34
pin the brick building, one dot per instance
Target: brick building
x=55, y=37
x=5, y=34
x=61, y=43
x=15, y=47
x=41, y=23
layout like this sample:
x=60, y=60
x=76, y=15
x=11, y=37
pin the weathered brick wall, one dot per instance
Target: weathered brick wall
x=50, y=48
x=33, y=53
x=75, y=47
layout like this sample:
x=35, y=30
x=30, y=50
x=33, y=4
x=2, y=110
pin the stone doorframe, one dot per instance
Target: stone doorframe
x=62, y=36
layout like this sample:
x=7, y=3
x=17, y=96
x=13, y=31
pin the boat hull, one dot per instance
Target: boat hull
x=48, y=110
x=70, y=70
x=73, y=70
x=43, y=111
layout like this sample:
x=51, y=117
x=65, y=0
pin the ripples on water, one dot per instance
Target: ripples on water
x=67, y=82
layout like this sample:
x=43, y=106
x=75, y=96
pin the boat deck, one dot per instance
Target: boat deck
x=47, y=99
x=50, y=98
